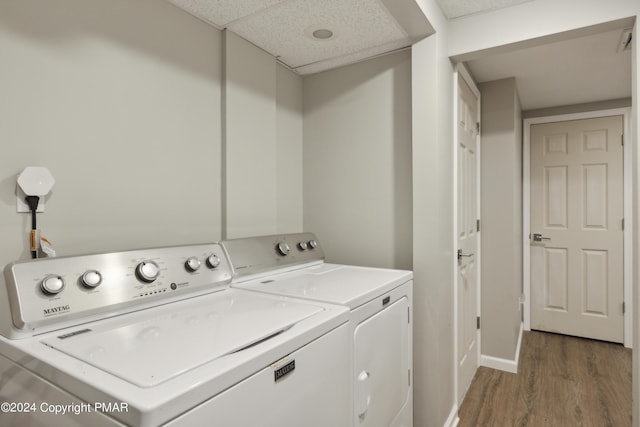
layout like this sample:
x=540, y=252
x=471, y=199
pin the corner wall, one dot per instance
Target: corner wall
x=501, y=217
x=249, y=139
x=262, y=143
x=433, y=252
x=122, y=102
x=289, y=133
x=357, y=161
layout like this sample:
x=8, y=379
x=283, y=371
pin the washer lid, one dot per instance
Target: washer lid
x=161, y=347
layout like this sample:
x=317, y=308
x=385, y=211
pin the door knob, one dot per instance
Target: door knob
x=537, y=237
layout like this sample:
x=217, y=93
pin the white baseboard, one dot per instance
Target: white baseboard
x=452, y=420
x=499, y=363
x=518, y=346
x=506, y=365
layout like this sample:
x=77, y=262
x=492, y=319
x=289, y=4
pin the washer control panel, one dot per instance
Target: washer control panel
x=51, y=292
x=253, y=255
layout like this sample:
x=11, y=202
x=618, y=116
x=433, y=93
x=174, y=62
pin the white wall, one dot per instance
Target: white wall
x=123, y=102
x=120, y=100
x=433, y=251
x=501, y=213
x=249, y=139
x=289, y=122
x=357, y=161
x=262, y=142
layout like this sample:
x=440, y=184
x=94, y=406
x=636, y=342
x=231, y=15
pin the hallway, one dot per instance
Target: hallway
x=561, y=381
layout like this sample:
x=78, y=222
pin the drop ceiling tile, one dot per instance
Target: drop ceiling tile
x=284, y=29
x=221, y=12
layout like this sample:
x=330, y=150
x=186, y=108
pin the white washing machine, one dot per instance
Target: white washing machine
x=156, y=337
x=380, y=303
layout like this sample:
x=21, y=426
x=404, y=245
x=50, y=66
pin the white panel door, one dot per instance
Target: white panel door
x=576, y=211
x=467, y=236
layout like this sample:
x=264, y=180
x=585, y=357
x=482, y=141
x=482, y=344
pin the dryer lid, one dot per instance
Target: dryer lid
x=158, y=348
x=347, y=285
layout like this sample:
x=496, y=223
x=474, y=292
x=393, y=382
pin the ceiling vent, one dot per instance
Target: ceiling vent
x=625, y=40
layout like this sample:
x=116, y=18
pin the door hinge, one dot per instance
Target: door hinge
x=477, y=225
x=622, y=140
x=624, y=308
x=622, y=221
x=478, y=322
x=409, y=376
x=478, y=127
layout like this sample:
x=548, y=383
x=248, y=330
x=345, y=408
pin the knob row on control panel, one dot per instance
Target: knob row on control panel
x=146, y=271
x=311, y=245
x=193, y=264
x=282, y=248
x=54, y=284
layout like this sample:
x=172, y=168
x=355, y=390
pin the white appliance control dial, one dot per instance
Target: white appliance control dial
x=312, y=244
x=283, y=248
x=303, y=246
x=147, y=271
x=213, y=261
x=192, y=264
x=52, y=285
x=91, y=279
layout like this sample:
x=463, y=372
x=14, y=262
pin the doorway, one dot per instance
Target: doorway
x=492, y=65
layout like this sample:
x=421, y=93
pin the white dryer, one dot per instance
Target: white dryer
x=380, y=303
x=156, y=337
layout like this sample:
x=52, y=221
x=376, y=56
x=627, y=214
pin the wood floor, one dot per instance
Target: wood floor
x=561, y=381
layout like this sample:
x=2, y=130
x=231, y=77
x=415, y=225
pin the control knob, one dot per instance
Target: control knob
x=312, y=244
x=147, y=271
x=192, y=264
x=213, y=261
x=52, y=285
x=283, y=248
x=91, y=279
x=303, y=246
